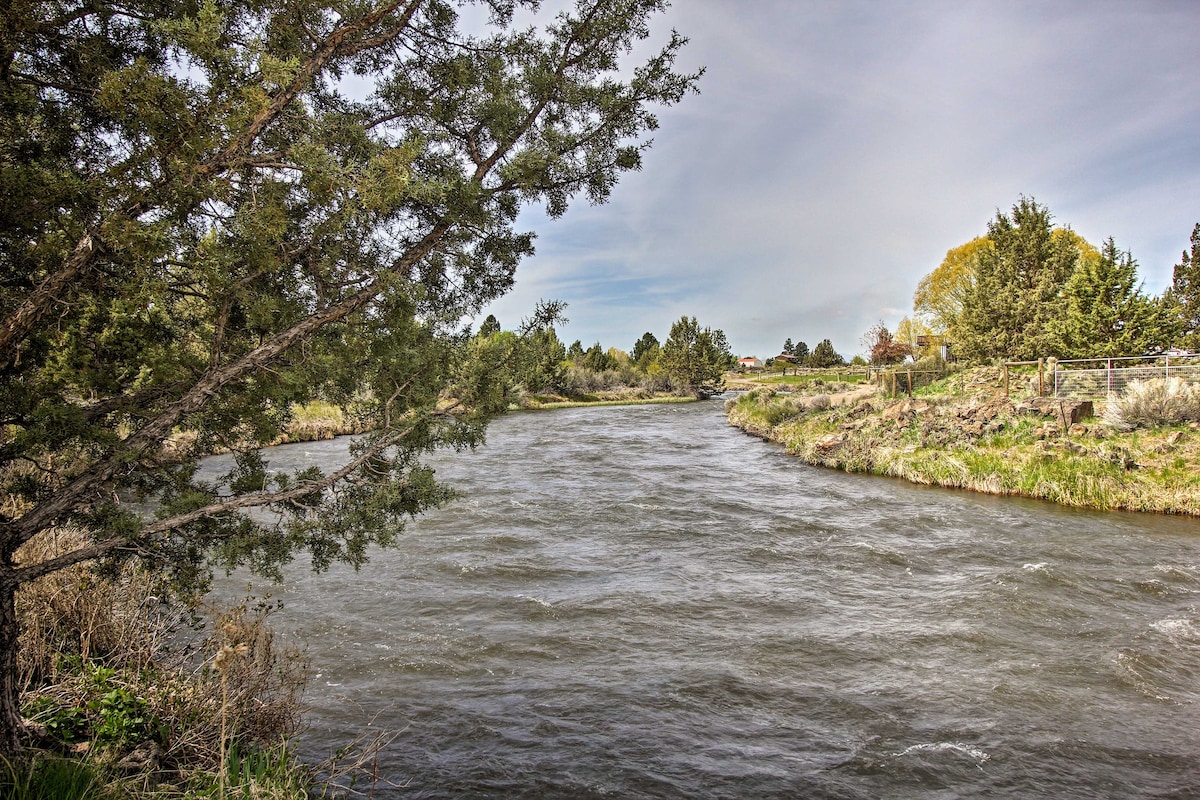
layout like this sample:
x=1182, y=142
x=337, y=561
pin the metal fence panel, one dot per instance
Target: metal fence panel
x=1098, y=383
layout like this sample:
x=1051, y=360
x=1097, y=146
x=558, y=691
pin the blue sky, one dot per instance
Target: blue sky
x=838, y=150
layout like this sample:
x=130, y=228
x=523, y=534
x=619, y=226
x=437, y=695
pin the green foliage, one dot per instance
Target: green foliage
x=200, y=228
x=823, y=356
x=1182, y=299
x=941, y=294
x=1017, y=291
x=110, y=713
x=1105, y=313
x=645, y=351
x=696, y=358
x=43, y=777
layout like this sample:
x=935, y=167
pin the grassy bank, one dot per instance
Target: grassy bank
x=965, y=434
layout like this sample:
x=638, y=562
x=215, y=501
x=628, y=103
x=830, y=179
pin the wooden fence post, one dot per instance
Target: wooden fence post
x=910, y=383
x=1005, y=372
x=1041, y=377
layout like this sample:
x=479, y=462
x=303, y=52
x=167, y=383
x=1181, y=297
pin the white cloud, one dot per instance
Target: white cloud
x=838, y=150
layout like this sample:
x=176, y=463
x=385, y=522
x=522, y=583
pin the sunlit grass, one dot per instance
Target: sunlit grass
x=1093, y=467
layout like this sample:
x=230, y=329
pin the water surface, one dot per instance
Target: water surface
x=645, y=602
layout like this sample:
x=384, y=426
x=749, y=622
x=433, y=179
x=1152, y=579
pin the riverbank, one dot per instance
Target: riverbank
x=964, y=433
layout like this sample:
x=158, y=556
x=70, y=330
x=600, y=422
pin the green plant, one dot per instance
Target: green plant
x=122, y=717
x=68, y=724
x=40, y=777
x=1146, y=404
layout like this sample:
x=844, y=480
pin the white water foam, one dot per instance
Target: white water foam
x=940, y=747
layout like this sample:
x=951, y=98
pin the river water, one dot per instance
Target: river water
x=644, y=602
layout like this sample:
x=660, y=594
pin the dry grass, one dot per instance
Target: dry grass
x=942, y=441
x=86, y=635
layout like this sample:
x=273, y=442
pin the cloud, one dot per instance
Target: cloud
x=837, y=151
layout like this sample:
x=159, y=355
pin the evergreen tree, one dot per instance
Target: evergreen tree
x=800, y=351
x=1182, y=300
x=788, y=348
x=1017, y=292
x=490, y=326
x=1105, y=313
x=696, y=358
x=823, y=355
x=597, y=359
x=575, y=352
x=201, y=226
x=645, y=350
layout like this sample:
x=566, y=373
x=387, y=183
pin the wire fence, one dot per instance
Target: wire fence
x=1098, y=378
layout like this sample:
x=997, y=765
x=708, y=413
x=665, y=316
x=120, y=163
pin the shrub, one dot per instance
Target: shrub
x=1146, y=404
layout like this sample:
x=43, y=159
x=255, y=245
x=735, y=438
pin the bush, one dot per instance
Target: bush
x=1147, y=404
x=107, y=660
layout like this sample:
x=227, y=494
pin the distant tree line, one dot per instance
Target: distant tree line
x=1028, y=289
x=692, y=360
x=820, y=357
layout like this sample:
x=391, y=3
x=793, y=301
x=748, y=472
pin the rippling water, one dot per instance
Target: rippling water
x=644, y=602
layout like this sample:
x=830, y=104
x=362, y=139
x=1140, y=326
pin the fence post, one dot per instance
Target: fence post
x=1110, y=377
x=1167, y=374
x=1006, y=380
x=910, y=383
x=1041, y=377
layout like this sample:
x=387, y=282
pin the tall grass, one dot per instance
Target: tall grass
x=110, y=666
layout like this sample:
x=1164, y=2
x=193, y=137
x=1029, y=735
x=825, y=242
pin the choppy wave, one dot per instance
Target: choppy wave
x=646, y=603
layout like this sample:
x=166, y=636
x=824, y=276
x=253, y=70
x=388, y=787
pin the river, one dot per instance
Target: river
x=642, y=602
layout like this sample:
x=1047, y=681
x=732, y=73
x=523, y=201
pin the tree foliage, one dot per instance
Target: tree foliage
x=1105, y=314
x=645, y=351
x=941, y=294
x=200, y=227
x=823, y=355
x=696, y=358
x=1183, y=297
x=884, y=348
x=1017, y=289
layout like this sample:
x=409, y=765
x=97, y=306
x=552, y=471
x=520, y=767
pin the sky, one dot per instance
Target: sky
x=837, y=150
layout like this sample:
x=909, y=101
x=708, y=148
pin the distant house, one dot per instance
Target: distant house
x=787, y=358
x=930, y=344
x=750, y=362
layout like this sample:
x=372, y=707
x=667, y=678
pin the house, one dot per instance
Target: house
x=930, y=344
x=787, y=358
x=750, y=362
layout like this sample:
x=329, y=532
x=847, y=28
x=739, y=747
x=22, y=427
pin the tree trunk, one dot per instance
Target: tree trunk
x=10, y=714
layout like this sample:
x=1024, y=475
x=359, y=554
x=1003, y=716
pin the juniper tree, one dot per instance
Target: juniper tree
x=1017, y=286
x=1182, y=300
x=213, y=209
x=696, y=358
x=1105, y=313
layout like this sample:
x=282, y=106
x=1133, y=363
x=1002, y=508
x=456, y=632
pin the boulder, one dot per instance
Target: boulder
x=1062, y=409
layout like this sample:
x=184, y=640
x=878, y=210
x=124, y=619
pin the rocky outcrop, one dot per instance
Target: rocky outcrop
x=1064, y=410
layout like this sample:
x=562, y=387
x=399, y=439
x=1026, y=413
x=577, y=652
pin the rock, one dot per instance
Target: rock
x=1077, y=430
x=1065, y=410
x=830, y=443
x=905, y=411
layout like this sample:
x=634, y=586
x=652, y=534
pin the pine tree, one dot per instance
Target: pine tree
x=823, y=355
x=1183, y=298
x=1017, y=291
x=1105, y=313
x=696, y=358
